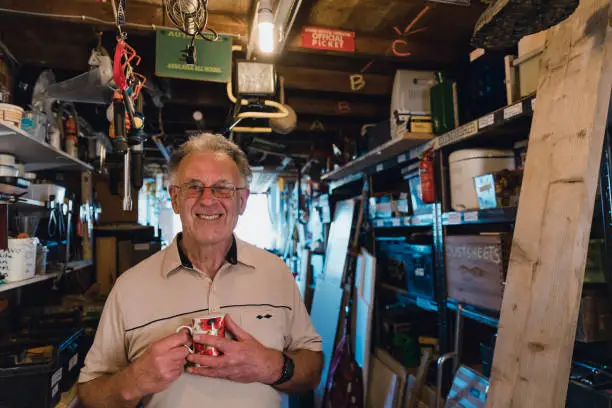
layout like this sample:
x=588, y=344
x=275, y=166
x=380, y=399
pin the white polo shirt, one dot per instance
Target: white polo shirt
x=163, y=292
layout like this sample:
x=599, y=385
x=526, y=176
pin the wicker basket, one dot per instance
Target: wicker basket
x=11, y=114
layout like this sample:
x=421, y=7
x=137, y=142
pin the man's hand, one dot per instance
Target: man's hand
x=245, y=360
x=161, y=364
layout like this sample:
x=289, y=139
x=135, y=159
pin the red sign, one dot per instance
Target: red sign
x=327, y=39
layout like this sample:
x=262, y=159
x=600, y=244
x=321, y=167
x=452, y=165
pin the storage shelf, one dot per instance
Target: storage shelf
x=20, y=202
x=396, y=151
x=51, y=274
x=38, y=155
x=474, y=313
x=405, y=296
x=499, y=118
x=491, y=216
x=403, y=222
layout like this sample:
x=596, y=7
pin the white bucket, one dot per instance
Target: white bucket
x=18, y=262
x=466, y=164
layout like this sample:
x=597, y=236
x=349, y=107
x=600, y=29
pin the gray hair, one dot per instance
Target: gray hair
x=208, y=142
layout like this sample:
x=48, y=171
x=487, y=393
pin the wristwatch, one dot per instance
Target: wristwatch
x=287, y=372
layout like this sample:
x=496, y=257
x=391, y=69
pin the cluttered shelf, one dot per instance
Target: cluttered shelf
x=52, y=274
x=398, y=150
x=487, y=317
x=425, y=220
x=37, y=154
x=488, y=216
x=405, y=296
x=488, y=123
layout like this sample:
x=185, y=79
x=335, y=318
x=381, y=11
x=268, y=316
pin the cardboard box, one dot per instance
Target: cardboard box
x=498, y=189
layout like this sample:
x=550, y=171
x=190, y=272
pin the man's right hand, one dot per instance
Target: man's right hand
x=161, y=364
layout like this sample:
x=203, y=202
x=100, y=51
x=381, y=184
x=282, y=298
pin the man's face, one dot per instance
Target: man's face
x=206, y=218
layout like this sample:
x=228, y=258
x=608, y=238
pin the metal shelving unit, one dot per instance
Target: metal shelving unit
x=492, y=216
x=37, y=154
x=406, y=297
x=488, y=123
x=471, y=312
x=396, y=151
x=425, y=220
x=51, y=274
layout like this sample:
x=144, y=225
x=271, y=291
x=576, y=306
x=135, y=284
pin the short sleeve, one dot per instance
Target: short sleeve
x=303, y=334
x=108, y=353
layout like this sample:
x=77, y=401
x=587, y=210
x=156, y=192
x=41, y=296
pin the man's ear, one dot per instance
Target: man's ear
x=174, y=199
x=244, y=196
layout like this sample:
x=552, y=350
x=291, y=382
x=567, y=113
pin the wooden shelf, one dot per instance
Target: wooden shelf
x=392, y=148
x=51, y=274
x=36, y=154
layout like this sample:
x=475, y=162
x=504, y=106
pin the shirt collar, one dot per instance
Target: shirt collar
x=175, y=257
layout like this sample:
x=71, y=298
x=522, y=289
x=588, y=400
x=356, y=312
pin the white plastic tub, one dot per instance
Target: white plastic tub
x=464, y=165
x=18, y=262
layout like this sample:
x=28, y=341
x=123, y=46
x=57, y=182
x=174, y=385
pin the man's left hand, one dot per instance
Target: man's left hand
x=244, y=360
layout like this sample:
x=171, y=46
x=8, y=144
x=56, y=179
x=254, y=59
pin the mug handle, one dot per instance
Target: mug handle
x=190, y=332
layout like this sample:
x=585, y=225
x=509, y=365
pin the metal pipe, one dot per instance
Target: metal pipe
x=458, y=335
x=439, y=375
x=84, y=18
x=127, y=185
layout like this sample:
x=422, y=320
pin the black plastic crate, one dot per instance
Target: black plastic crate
x=29, y=385
x=408, y=266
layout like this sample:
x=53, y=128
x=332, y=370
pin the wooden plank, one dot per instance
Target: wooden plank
x=124, y=261
x=106, y=263
x=309, y=79
x=547, y=262
x=338, y=107
x=382, y=47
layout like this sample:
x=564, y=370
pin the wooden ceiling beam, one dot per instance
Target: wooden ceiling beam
x=144, y=14
x=309, y=79
x=406, y=51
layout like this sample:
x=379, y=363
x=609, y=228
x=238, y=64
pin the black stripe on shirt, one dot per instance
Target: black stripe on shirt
x=165, y=318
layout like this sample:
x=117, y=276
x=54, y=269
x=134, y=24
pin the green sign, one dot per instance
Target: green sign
x=213, y=58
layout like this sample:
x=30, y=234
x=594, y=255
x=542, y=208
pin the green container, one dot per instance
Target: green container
x=442, y=97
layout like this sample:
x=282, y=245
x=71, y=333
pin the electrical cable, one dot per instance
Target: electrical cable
x=152, y=27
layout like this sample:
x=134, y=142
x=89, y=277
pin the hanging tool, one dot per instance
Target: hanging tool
x=191, y=18
x=127, y=185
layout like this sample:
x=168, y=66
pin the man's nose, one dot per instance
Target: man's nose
x=207, y=195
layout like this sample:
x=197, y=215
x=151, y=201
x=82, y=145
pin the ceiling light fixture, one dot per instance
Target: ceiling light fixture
x=265, y=27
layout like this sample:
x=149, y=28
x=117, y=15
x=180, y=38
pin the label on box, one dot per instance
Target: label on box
x=401, y=158
x=406, y=220
x=380, y=223
x=73, y=362
x=379, y=168
x=54, y=390
x=57, y=377
x=416, y=220
x=454, y=218
x=486, y=121
x=142, y=247
x=395, y=222
x=419, y=271
x=471, y=216
x=513, y=110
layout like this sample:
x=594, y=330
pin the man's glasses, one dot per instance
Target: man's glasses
x=195, y=190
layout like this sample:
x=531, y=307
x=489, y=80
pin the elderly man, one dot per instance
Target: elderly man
x=137, y=356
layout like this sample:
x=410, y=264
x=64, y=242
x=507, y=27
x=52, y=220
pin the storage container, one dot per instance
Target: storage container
x=410, y=96
x=389, y=205
x=29, y=379
x=476, y=267
x=499, y=189
x=409, y=266
x=44, y=191
x=18, y=262
x=466, y=164
x=11, y=114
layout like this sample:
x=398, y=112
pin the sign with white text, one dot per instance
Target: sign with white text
x=327, y=39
